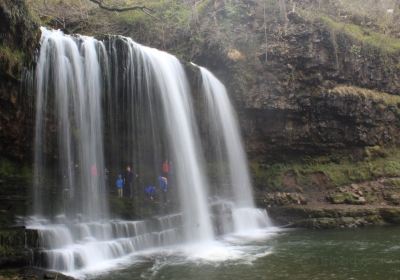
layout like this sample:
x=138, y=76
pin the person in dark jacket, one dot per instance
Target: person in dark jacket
x=129, y=177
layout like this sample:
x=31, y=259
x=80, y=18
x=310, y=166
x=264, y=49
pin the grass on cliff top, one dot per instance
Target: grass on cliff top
x=388, y=99
x=377, y=40
x=374, y=39
x=338, y=169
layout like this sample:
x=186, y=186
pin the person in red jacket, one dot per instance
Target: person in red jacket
x=166, y=168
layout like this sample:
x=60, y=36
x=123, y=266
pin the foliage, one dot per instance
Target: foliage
x=202, y=6
x=387, y=99
x=340, y=169
x=373, y=12
x=355, y=50
x=12, y=59
x=372, y=38
x=9, y=169
x=393, y=182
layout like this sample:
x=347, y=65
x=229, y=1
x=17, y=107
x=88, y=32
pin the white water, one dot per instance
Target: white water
x=68, y=75
x=86, y=87
x=179, y=118
x=229, y=147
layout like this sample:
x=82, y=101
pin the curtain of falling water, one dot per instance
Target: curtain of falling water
x=153, y=120
x=229, y=151
x=141, y=98
x=69, y=88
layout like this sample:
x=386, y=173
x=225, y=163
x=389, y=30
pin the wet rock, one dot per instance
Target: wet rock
x=19, y=37
x=282, y=198
x=346, y=198
x=391, y=215
x=302, y=85
x=50, y=275
x=327, y=217
x=352, y=195
x=392, y=197
x=16, y=245
x=38, y=274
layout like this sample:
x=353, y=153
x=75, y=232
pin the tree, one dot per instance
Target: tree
x=142, y=8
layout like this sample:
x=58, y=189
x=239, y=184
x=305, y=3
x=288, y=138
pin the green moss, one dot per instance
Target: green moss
x=375, y=39
x=9, y=169
x=122, y=207
x=169, y=13
x=270, y=176
x=127, y=208
x=377, y=96
x=394, y=182
x=202, y=6
x=339, y=170
x=11, y=58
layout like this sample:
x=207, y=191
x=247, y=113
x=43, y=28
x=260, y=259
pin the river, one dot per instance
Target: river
x=372, y=253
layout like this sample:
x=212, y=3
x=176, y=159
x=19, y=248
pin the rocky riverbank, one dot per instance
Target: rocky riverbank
x=30, y=273
x=356, y=205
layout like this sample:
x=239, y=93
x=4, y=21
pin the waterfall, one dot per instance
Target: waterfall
x=68, y=80
x=229, y=151
x=178, y=118
x=104, y=104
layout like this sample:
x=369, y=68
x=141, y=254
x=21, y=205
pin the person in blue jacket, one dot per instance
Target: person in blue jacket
x=163, y=181
x=120, y=185
x=150, y=191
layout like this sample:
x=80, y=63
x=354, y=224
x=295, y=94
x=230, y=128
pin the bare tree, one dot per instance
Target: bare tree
x=142, y=8
x=283, y=10
x=265, y=32
x=77, y=12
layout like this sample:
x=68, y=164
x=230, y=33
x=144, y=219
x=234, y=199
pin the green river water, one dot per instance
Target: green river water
x=372, y=253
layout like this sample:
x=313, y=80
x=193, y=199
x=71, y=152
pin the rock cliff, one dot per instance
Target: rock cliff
x=316, y=85
x=18, y=42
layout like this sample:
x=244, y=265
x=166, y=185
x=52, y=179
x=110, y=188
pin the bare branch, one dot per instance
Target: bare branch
x=144, y=9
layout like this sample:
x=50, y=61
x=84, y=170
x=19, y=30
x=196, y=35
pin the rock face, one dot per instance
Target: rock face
x=18, y=42
x=356, y=205
x=307, y=78
x=314, y=94
x=19, y=36
x=307, y=84
x=15, y=246
x=318, y=217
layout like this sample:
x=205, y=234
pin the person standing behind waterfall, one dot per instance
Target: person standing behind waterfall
x=128, y=180
x=120, y=185
x=166, y=168
x=163, y=183
x=93, y=170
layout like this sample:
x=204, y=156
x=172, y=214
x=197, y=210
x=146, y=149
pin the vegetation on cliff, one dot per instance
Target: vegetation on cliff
x=375, y=39
x=327, y=172
x=18, y=38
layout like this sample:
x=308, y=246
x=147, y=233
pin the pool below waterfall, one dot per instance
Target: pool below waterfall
x=280, y=254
